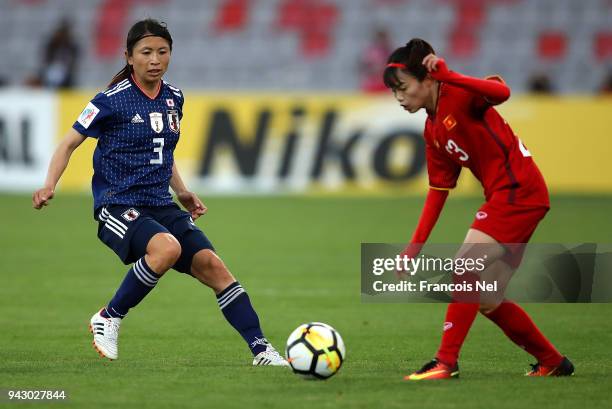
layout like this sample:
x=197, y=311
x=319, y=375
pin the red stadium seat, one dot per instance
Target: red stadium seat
x=232, y=15
x=603, y=45
x=464, y=43
x=292, y=14
x=315, y=43
x=470, y=17
x=110, y=26
x=552, y=45
x=464, y=40
x=470, y=13
x=313, y=20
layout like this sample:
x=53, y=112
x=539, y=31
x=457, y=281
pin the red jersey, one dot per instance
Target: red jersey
x=466, y=131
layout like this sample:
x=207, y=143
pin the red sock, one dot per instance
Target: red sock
x=519, y=327
x=459, y=319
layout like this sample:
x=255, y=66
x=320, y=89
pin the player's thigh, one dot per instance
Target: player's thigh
x=511, y=225
x=191, y=239
x=480, y=245
x=127, y=231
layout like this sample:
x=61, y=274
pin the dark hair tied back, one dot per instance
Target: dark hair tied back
x=411, y=55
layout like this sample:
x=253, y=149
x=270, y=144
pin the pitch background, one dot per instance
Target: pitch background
x=298, y=257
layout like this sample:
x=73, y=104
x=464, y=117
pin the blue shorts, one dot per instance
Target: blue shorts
x=128, y=229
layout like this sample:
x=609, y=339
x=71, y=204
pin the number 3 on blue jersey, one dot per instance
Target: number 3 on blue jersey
x=159, y=150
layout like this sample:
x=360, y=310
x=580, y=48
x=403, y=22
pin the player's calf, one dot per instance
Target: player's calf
x=210, y=270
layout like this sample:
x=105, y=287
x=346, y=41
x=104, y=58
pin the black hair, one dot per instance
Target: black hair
x=144, y=28
x=411, y=55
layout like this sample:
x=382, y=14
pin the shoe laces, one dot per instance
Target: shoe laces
x=428, y=366
x=111, y=329
x=535, y=368
x=272, y=354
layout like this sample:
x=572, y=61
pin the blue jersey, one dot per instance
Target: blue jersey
x=136, y=140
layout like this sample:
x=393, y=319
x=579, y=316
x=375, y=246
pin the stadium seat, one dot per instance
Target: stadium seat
x=315, y=44
x=552, y=45
x=603, y=45
x=232, y=15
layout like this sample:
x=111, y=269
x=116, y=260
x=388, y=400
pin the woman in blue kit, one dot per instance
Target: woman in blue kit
x=136, y=122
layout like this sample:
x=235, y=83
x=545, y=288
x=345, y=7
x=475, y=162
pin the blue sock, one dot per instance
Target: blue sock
x=138, y=282
x=238, y=311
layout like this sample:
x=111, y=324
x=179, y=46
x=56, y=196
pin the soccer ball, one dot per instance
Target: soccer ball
x=315, y=350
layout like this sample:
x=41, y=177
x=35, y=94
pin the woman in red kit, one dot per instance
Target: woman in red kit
x=464, y=130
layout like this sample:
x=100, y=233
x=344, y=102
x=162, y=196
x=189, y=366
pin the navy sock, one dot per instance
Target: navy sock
x=138, y=282
x=238, y=311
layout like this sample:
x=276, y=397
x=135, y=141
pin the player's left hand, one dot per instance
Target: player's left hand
x=192, y=204
x=436, y=67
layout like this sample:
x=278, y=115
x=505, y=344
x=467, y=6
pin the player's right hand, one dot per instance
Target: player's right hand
x=436, y=67
x=412, y=250
x=41, y=197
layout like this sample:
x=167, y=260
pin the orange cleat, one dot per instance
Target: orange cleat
x=434, y=370
x=565, y=368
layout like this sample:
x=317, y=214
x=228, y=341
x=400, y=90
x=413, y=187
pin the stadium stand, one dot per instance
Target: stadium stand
x=316, y=44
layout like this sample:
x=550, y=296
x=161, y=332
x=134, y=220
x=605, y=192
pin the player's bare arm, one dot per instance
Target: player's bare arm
x=188, y=199
x=59, y=161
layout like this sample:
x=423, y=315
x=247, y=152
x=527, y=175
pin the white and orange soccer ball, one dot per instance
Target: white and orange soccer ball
x=315, y=350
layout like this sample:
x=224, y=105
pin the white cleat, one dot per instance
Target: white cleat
x=106, y=334
x=269, y=357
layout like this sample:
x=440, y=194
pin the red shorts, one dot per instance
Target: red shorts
x=510, y=224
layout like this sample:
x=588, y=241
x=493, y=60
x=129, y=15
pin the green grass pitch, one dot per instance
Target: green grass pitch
x=298, y=257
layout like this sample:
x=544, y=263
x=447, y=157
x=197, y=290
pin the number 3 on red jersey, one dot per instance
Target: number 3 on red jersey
x=452, y=147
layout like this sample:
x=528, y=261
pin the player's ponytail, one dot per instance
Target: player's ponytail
x=408, y=58
x=144, y=28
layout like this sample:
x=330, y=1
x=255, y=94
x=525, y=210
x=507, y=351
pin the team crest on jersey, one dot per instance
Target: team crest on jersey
x=449, y=122
x=88, y=115
x=170, y=102
x=157, y=121
x=173, y=120
x=131, y=214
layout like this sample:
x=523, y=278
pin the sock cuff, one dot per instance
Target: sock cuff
x=228, y=288
x=113, y=313
x=144, y=273
x=228, y=295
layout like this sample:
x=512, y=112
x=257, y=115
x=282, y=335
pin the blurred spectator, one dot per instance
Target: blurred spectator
x=60, y=58
x=540, y=83
x=606, y=85
x=373, y=61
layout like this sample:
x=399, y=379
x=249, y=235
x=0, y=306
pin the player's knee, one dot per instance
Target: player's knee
x=172, y=252
x=487, y=308
x=163, y=250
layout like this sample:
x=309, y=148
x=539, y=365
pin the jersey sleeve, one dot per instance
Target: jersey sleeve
x=480, y=103
x=181, y=100
x=443, y=173
x=93, y=120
